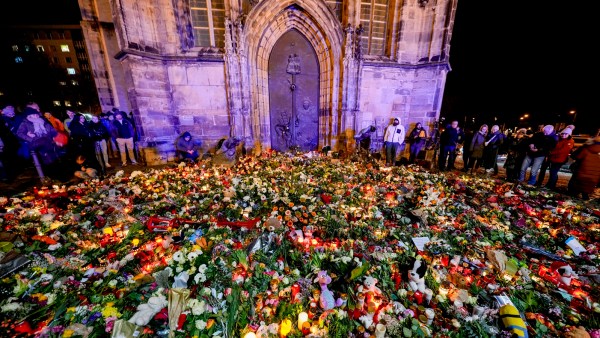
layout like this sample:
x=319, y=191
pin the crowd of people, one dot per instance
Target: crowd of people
x=85, y=144
x=529, y=155
x=77, y=145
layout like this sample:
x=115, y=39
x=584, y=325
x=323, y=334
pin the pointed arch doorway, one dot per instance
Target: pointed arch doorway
x=293, y=94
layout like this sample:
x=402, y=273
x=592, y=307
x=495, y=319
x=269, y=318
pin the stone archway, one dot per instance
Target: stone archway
x=265, y=24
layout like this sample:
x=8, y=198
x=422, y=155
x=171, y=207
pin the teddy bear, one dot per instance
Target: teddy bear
x=369, y=288
x=417, y=268
x=145, y=312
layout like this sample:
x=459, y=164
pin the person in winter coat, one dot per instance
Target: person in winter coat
x=39, y=134
x=124, y=131
x=539, y=146
x=186, y=147
x=393, y=139
x=82, y=142
x=559, y=156
x=417, y=139
x=476, y=148
x=99, y=135
x=450, y=138
x=493, y=141
x=516, y=150
x=587, y=175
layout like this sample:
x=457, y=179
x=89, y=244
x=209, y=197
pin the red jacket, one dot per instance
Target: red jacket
x=561, y=152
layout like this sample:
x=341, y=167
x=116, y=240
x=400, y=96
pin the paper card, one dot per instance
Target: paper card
x=503, y=300
x=574, y=244
x=420, y=242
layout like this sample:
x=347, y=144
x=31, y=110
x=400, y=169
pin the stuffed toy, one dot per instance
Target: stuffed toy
x=417, y=269
x=565, y=273
x=512, y=321
x=145, y=312
x=326, y=299
x=369, y=289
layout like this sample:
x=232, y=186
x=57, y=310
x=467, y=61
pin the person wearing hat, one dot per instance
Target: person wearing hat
x=559, y=156
x=393, y=138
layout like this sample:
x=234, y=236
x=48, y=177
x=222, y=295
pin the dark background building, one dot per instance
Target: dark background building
x=47, y=64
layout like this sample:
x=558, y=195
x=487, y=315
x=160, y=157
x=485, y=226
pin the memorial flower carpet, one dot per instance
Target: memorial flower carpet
x=298, y=246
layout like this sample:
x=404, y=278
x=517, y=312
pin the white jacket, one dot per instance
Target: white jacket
x=394, y=134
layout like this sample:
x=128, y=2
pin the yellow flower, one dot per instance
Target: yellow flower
x=68, y=333
x=110, y=311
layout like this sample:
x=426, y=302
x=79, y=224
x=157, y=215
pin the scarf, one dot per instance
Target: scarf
x=38, y=126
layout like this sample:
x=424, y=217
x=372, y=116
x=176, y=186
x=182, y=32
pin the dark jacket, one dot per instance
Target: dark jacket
x=99, y=131
x=418, y=136
x=451, y=136
x=543, y=143
x=477, y=145
x=124, y=129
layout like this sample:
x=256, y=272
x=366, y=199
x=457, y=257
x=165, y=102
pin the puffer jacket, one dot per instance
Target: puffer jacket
x=560, y=153
x=587, y=176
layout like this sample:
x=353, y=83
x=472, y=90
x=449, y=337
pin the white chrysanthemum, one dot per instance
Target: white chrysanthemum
x=192, y=255
x=200, y=278
x=200, y=324
x=10, y=307
x=51, y=297
x=202, y=268
x=178, y=257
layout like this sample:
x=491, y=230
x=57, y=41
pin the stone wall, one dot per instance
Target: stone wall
x=410, y=93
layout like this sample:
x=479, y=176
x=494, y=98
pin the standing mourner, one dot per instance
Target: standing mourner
x=417, y=139
x=82, y=141
x=559, y=156
x=586, y=176
x=546, y=163
x=62, y=138
x=493, y=142
x=449, y=139
x=469, y=134
x=67, y=121
x=99, y=135
x=124, y=131
x=516, y=149
x=538, y=147
x=39, y=134
x=475, y=149
x=392, y=139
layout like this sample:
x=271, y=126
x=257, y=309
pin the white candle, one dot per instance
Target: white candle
x=302, y=318
x=430, y=314
x=250, y=335
x=380, y=331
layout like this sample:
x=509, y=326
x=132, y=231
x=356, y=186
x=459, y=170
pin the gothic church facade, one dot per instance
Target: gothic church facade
x=276, y=74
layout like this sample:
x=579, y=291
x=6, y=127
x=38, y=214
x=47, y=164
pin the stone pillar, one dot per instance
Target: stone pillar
x=350, y=88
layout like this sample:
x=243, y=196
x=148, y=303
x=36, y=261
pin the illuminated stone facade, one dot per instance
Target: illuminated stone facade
x=377, y=59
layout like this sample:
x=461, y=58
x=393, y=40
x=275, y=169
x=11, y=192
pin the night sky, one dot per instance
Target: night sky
x=507, y=59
